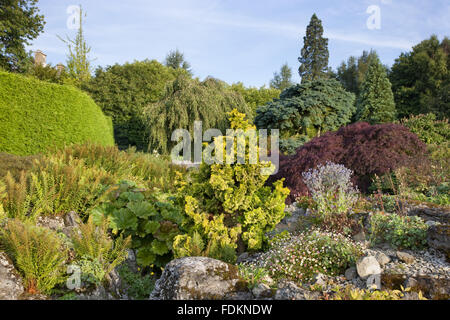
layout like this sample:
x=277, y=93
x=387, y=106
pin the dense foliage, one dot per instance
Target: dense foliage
x=400, y=231
x=152, y=220
x=352, y=73
x=375, y=102
x=428, y=128
x=78, y=179
x=255, y=97
x=308, y=110
x=283, y=79
x=229, y=208
x=36, y=116
x=20, y=22
x=421, y=79
x=38, y=254
x=365, y=149
x=185, y=101
x=122, y=91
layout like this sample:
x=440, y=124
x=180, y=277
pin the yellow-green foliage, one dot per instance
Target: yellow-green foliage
x=36, y=115
x=92, y=243
x=229, y=205
x=358, y=294
x=38, y=254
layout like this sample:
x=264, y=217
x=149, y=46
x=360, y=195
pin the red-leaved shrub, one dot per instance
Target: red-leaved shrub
x=364, y=148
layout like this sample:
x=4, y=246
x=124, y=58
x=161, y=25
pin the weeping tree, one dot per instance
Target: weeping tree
x=188, y=100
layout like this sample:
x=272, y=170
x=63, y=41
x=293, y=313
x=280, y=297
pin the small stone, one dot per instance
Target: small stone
x=374, y=282
x=405, y=257
x=350, y=273
x=242, y=258
x=268, y=280
x=262, y=291
x=382, y=258
x=410, y=283
x=367, y=266
x=320, y=280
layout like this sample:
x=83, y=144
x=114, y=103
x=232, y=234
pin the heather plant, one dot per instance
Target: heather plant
x=366, y=149
x=300, y=257
x=229, y=206
x=401, y=232
x=38, y=254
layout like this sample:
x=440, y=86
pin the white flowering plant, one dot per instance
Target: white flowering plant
x=300, y=257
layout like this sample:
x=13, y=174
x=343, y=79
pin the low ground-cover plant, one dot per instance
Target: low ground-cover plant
x=253, y=275
x=38, y=254
x=300, y=257
x=401, y=232
x=365, y=149
x=350, y=293
x=96, y=252
x=151, y=219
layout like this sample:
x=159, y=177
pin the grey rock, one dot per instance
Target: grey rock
x=262, y=291
x=367, y=266
x=72, y=219
x=198, y=278
x=360, y=237
x=11, y=286
x=405, y=257
x=52, y=223
x=439, y=238
x=131, y=261
x=351, y=273
x=382, y=258
x=320, y=280
x=410, y=283
x=374, y=282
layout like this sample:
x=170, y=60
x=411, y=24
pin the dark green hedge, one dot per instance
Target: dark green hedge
x=36, y=116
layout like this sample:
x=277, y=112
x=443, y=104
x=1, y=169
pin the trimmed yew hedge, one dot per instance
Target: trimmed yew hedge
x=36, y=116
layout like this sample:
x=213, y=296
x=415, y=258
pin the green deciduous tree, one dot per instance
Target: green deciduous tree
x=79, y=65
x=421, y=79
x=175, y=59
x=376, y=101
x=282, y=80
x=255, y=97
x=352, y=73
x=314, y=55
x=186, y=100
x=122, y=91
x=20, y=22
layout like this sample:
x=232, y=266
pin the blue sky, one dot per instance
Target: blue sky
x=239, y=40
